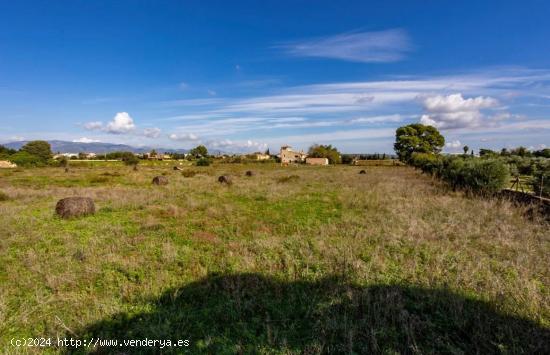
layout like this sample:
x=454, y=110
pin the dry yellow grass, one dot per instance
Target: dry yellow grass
x=391, y=226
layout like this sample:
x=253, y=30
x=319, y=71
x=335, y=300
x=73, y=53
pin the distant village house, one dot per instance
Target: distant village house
x=288, y=155
x=261, y=156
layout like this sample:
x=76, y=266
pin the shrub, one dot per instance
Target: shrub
x=540, y=182
x=482, y=176
x=428, y=163
x=202, y=162
x=485, y=176
x=4, y=196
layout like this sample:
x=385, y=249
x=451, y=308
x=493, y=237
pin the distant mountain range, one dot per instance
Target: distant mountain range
x=77, y=147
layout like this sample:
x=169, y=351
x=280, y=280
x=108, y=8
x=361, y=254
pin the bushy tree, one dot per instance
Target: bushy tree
x=487, y=152
x=544, y=153
x=417, y=138
x=22, y=158
x=325, y=151
x=520, y=151
x=199, y=151
x=41, y=149
x=6, y=152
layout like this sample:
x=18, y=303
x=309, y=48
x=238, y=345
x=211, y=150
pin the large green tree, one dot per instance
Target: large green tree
x=41, y=149
x=325, y=151
x=417, y=138
x=199, y=151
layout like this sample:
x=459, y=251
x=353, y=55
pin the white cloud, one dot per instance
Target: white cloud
x=184, y=137
x=378, y=119
x=212, y=92
x=454, y=144
x=17, y=138
x=454, y=111
x=381, y=46
x=153, y=132
x=96, y=125
x=229, y=145
x=183, y=85
x=456, y=103
x=86, y=140
x=121, y=123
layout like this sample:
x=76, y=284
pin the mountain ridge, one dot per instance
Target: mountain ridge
x=95, y=147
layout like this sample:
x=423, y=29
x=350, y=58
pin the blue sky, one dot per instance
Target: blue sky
x=243, y=76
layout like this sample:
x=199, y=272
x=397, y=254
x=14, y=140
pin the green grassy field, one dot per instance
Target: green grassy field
x=291, y=260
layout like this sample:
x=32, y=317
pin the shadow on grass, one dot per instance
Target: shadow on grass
x=249, y=313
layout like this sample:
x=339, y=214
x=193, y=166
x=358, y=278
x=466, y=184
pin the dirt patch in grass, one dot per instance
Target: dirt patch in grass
x=287, y=179
x=206, y=237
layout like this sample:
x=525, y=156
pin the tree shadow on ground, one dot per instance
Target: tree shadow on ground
x=250, y=313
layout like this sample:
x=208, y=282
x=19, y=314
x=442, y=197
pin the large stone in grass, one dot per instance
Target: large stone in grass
x=71, y=207
x=362, y=172
x=160, y=180
x=225, y=179
x=249, y=173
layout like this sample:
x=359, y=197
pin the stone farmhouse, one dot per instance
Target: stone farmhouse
x=288, y=155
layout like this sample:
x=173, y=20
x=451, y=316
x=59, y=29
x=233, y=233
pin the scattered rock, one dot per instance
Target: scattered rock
x=225, y=179
x=7, y=164
x=66, y=170
x=249, y=173
x=75, y=207
x=160, y=180
x=362, y=172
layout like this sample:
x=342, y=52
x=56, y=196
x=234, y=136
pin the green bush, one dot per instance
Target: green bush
x=485, y=176
x=481, y=176
x=202, y=162
x=427, y=162
x=23, y=158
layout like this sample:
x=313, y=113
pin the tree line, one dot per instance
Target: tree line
x=420, y=146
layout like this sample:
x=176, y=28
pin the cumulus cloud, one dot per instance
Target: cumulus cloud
x=454, y=144
x=153, y=132
x=367, y=47
x=184, y=137
x=121, y=123
x=86, y=140
x=455, y=102
x=454, y=111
